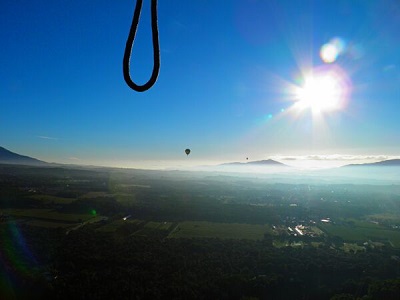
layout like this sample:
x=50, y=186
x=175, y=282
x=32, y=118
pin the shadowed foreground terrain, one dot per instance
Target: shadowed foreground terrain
x=101, y=233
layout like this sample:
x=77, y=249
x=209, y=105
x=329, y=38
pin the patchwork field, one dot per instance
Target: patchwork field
x=347, y=247
x=47, y=215
x=113, y=226
x=53, y=199
x=158, y=225
x=40, y=223
x=361, y=234
x=220, y=230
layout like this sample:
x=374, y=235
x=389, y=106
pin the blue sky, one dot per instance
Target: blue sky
x=225, y=89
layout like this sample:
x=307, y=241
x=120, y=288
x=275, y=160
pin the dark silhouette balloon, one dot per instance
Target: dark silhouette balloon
x=187, y=151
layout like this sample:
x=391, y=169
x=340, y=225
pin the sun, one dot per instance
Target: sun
x=321, y=93
x=323, y=90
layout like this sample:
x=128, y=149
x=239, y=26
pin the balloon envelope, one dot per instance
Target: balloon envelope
x=187, y=151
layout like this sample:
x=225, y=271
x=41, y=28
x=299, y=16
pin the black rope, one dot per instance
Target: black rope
x=129, y=45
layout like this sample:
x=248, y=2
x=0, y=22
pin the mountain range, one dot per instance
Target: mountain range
x=8, y=157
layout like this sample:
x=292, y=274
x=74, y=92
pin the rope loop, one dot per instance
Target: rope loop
x=129, y=45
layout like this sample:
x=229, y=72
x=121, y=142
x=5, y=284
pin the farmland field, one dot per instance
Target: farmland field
x=352, y=247
x=220, y=230
x=96, y=194
x=53, y=199
x=47, y=214
x=113, y=226
x=385, y=217
x=48, y=224
x=362, y=234
x=158, y=225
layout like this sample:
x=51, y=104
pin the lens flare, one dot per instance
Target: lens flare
x=330, y=51
x=18, y=263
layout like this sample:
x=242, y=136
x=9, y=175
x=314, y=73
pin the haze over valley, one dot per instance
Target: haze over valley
x=279, y=233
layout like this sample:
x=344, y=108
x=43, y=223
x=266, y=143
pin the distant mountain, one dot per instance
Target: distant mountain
x=258, y=163
x=383, y=172
x=268, y=162
x=8, y=157
x=385, y=163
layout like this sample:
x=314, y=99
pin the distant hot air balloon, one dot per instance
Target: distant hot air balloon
x=187, y=151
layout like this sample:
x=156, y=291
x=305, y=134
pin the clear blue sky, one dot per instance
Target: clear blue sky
x=226, y=69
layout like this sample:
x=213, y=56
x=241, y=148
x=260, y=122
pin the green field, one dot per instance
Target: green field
x=361, y=234
x=347, y=247
x=113, y=226
x=125, y=199
x=96, y=195
x=53, y=199
x=220, y=230
x=40, y=223
x=48, y=215
x=158, y=225
x=154, y=228
x=385, y=217
x=317, y=244
x=365, y=224
x=280, y=244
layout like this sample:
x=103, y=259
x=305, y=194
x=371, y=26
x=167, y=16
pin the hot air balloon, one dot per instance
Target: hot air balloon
x=187, y=151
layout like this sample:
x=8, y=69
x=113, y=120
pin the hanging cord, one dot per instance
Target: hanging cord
x=129, y=45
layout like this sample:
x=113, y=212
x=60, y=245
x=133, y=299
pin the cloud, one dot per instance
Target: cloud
x=179, y=24
x=288, y=158
x=74, y=158
x=388, y=68
x=336, y=157
x=46, y=137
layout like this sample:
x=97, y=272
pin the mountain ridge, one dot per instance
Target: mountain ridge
x=265, y=162
x=9, y=157
x=383, y=163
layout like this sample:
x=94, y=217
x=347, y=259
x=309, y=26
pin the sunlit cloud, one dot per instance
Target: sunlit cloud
x=389, y=68
x=323, y=161
x=74, y=158
x=336, y=157
x=46, y=137
x=179, y=24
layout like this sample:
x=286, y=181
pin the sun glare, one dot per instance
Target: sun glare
x=322, y=91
